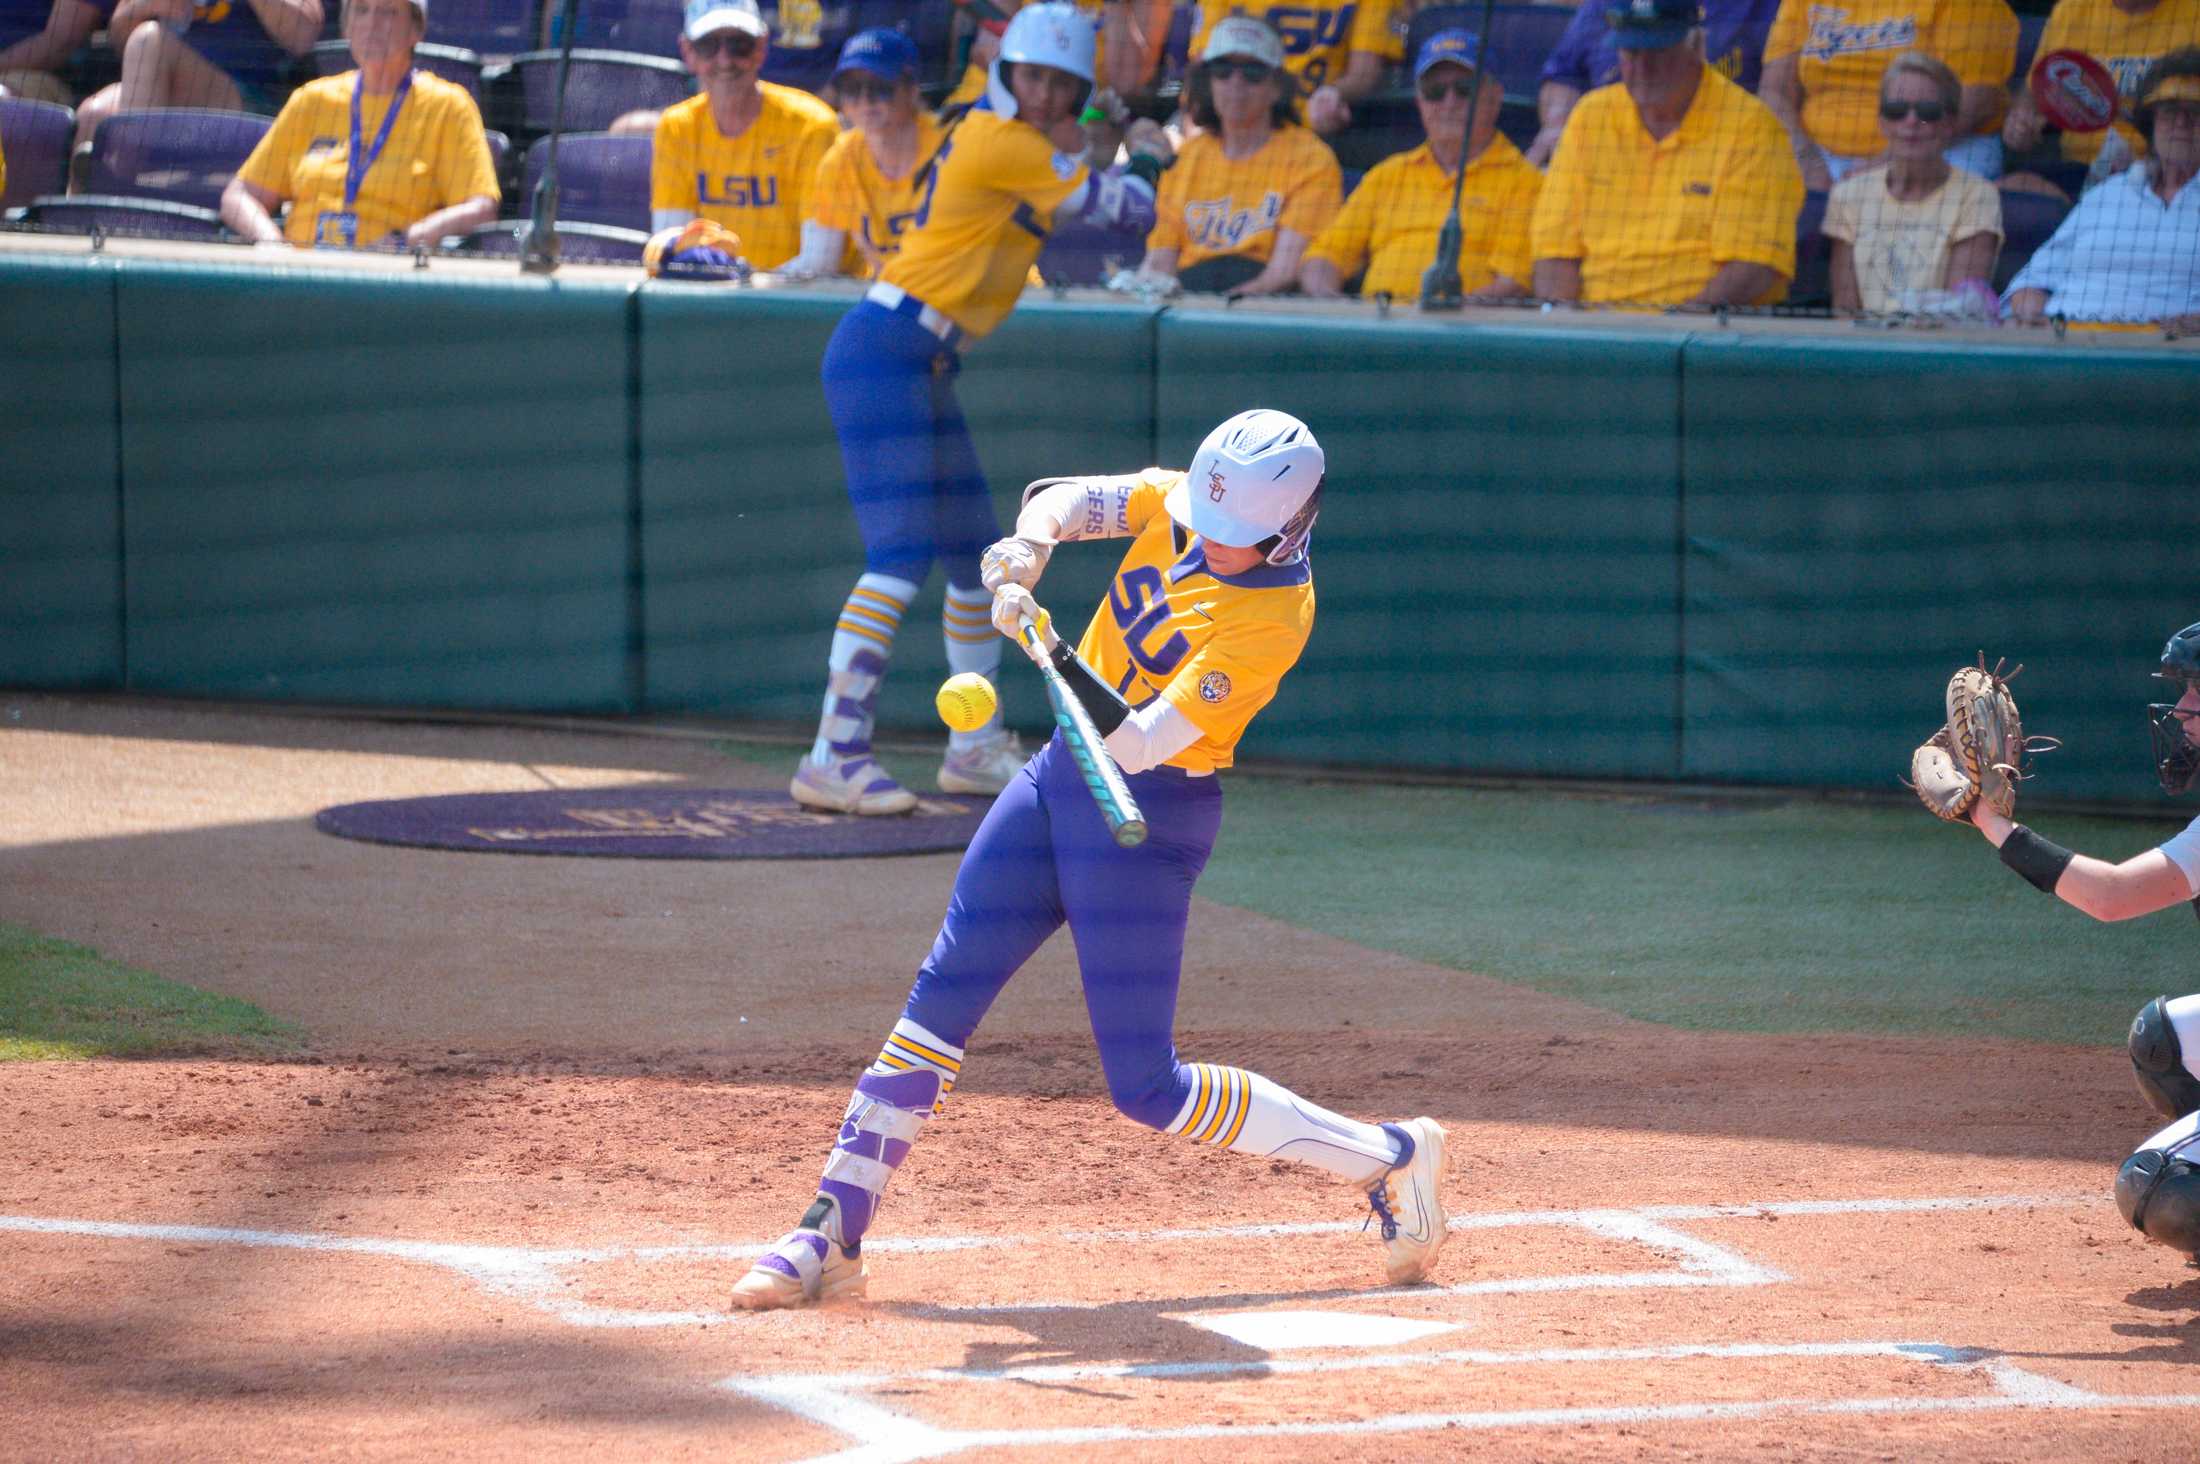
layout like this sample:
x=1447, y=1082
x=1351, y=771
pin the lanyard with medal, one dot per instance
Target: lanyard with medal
x=342, y=229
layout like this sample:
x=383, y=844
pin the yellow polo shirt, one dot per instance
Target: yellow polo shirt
x=757, y=184
x=1652, y=221
x=1845, y=49
x=2127, y=45
x=1391, y=221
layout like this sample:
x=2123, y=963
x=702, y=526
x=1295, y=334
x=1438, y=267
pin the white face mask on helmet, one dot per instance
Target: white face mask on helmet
x=1256, y=478
x=1054, y=34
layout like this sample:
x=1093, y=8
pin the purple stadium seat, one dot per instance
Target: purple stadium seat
x=1813, y=255
x=805, y=57
x=333, y=58
x=37, y=136
x=487, y=28
x=604, y=85
x=577, y=243
x=601, y=180
x=88, y=213
x=647, y=27
x=180, y=154
x=2027, y=221
x=1520, y=40
x=2029, y=30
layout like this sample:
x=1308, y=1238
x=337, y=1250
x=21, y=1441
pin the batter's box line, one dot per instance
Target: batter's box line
x=536, y=1277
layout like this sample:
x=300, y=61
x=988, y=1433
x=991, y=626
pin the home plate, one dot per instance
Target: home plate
x=1277, y=1331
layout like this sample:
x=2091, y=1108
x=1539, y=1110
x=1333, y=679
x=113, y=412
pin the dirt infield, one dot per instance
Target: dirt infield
x=552, y=1105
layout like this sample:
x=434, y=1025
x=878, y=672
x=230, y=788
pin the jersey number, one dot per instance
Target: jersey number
x=1141, y=607
x=931, y=183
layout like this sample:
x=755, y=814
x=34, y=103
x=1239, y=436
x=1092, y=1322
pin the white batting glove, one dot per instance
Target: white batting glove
x=1014, y=561
x=1012, y=606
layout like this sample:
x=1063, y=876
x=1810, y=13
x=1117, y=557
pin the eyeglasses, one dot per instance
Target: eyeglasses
x=740, y=45
x=1436, y=88
x=1255, y=72
x=1926, y=111
x=859, y=89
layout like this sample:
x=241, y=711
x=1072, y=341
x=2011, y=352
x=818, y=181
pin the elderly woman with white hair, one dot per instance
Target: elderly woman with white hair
x=382, y=156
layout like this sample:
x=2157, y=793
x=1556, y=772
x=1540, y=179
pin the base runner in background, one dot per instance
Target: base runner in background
x=1012, y=166
x=1211, y=606
x=2158, y=1188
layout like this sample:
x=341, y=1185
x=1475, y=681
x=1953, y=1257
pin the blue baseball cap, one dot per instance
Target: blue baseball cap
x=883, y=51
x=1651, y=25
x=1454, y=47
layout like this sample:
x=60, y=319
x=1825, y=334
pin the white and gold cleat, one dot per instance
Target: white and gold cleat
x=803, y=1269
x=851, y=785
x=1409, y=1202
x=985, y=769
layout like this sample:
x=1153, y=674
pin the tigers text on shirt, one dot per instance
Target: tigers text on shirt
x=1211, y=205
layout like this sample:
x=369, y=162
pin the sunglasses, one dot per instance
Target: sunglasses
x=1926, y=111
x=1255, y=72
x=1436, y=88
x=740, y=45
x=857, y=89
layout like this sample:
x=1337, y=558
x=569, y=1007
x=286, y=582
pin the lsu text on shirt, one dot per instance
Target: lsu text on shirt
x=853, y=196
x=1211, y=205
x=1844, y=48
x=1652, y=220
x=2127, y=45
x=757, y=184
x=1391, y=221
x=983, y=212
x=1318, y=39
x=436, y=156
x=1215, y=648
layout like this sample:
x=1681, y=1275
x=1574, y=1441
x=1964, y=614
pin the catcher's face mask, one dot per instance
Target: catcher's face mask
x=2174, y=726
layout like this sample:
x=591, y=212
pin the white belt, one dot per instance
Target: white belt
x=901, y=302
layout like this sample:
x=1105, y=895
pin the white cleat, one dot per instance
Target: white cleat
x=804, y=1269
x=987, y=768
x=851, y=785
x=1410, y=1205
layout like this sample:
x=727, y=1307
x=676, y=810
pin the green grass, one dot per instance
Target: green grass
x=59, y=1000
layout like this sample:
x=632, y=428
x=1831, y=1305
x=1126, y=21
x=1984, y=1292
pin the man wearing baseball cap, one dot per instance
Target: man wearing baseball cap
x=1672, y=187
x=866, y=193
x=1390, y=223
x=743, y=152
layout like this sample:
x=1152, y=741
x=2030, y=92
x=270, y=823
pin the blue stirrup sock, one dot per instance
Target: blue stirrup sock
x=863, y=642
x=907, y=1084
x=966, y=625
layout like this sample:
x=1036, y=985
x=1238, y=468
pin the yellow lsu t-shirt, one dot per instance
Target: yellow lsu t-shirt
x=1210, y=204
x=984, y=209
x=1845, y=48
x=2127, y=45
x=436, y=155
x=757, y=184
x=1318, y=40
x=873, y=210
x=1651, y=221
x=1391, y=221
x=1215, y=648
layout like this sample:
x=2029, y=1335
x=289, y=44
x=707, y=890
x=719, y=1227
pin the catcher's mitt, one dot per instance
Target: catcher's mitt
x=1980, y=752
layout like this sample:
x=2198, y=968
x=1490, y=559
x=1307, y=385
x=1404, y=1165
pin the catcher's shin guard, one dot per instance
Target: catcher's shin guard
x=2158, y=1060
x=912, y=1076
x=2160, y=1195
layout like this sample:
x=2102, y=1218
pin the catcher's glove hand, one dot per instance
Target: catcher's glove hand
x=1980, y=752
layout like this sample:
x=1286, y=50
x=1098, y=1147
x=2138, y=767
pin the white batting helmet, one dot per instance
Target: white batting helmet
x=1257, y=477
x=1053, y=34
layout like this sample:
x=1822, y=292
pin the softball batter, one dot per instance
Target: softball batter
x=1003, y=175
x=1210, y=607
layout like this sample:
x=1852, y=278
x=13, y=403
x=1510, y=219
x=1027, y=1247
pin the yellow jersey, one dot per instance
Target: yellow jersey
x=436, y=155
x=1390, y=223
x=984, y=209
x=873, y=210
x=2127, y=45
x=1651, y=221
x=1210, y=204
x=757, y=184
x=1318, y=40
x=1845, y=48
x=1214, y=648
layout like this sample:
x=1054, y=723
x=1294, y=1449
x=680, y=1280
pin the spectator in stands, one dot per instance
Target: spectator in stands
x=1917, y=235
x=234, y=55
x=1253, y=188
x=1675, y=187
x=2130, y=251
x=1133, y=34
x=37, y=39
x=2126, y=36
x=1337, y=53
x=1390, y=223
x=381, y=156
x=1823, y=64
x=1587, y=56
x=745, y=151
x=866, y=193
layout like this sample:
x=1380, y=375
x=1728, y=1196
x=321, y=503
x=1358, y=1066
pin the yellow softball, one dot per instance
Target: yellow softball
x=966, y=701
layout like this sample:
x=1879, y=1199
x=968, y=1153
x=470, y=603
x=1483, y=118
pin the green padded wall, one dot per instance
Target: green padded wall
x=376, y=488
x=60, y=508
x=1864, y=516
x=1495, y=563
x=749, y=545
